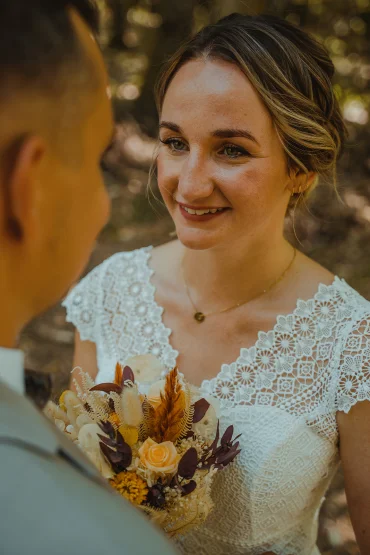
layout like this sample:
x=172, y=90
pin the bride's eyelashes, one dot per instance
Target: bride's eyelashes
x=228, y=150
x=174, y=145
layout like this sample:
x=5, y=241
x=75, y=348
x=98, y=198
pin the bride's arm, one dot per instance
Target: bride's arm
x=85, y=358
x=354, y=433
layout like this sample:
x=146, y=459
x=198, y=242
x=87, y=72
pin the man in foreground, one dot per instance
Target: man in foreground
x=55, y=123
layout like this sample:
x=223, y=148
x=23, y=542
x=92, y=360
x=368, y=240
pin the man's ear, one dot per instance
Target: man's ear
x=300, y=181
x=22, y=164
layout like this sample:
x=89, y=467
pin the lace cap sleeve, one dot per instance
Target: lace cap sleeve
x=84, y=304
x=353, y=383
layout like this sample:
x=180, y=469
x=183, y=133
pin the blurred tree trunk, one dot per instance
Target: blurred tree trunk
x=177, y=21
x=119, y=9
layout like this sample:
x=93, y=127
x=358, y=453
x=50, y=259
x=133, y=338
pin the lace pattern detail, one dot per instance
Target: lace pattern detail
x=282, y=395
x=114, y=306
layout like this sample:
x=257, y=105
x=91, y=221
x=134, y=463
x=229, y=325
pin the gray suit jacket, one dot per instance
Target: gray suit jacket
x=53, y=501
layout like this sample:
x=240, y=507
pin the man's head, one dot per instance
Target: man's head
x=55, y=123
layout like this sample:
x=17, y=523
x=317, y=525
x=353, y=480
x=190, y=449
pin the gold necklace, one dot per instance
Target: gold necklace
x=200, y=316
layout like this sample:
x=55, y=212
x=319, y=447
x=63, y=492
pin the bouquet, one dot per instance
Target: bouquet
x=160, y=450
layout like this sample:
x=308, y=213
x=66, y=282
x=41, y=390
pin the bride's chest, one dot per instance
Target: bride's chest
x=203, y=348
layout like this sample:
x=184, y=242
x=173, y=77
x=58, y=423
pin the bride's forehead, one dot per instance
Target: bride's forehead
x=205, y=109
x=211, y=89
x=208, y=77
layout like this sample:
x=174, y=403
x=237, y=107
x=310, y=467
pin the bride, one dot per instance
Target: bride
x=248, y=122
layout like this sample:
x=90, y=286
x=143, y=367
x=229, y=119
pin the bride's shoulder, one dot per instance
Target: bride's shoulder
x=122, y=264
x=120, y=276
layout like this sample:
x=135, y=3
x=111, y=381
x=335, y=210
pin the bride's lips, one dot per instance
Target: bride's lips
x=200, y=218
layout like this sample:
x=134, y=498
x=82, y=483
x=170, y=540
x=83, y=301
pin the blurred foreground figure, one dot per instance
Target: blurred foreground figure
x=55, y=123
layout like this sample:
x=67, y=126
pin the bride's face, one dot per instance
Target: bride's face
x=219, y=150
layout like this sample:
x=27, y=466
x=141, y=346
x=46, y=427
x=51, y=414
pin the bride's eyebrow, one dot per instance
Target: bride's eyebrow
x=232, y=133
x=169, y=125
x=219, y=133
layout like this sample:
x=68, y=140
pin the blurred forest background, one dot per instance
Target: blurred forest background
x=137, y=35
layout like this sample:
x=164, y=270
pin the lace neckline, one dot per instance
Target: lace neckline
x=326, y=291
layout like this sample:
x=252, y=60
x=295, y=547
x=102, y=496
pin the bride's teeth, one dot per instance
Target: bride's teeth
x=202, y=212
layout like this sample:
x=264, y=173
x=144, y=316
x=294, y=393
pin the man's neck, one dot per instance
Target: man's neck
x=10, y=326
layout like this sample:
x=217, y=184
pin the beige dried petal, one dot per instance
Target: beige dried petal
x=54, y=412
x=154, y=393
x=88, y=442
x=82, y=420
x=73, y=406
x=131, y=406
x=146, y=368
x=72, y=432
x=60, y=424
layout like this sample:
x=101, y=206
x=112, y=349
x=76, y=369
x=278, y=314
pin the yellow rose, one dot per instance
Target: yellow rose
x=159, y=457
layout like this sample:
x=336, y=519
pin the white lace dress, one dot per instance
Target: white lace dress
x=282, y=394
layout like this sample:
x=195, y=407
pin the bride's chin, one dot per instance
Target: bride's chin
x=196, y=241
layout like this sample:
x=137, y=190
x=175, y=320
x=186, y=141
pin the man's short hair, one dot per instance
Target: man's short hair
x=42, y=59
x=38, y=41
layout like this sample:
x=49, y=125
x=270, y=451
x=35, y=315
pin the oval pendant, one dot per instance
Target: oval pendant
x=199, y=317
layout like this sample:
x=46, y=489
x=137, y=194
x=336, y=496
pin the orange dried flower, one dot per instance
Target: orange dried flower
x=114, y=419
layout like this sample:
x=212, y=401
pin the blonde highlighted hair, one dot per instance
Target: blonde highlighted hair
x=291, y=71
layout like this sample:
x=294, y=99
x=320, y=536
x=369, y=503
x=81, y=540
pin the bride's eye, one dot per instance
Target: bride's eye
x=175, y=145
x=233, y=151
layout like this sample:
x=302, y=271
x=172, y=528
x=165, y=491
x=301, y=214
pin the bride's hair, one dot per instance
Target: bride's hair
x=293, y=74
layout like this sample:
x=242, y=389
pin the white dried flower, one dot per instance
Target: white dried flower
x=88, y=441
x=146, y=368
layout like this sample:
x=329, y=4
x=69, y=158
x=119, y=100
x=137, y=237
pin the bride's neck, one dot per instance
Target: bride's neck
x=232, y=274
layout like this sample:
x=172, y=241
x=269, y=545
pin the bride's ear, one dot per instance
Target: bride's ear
x=300, y=181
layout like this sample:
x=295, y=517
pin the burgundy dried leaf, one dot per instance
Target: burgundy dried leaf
x=200, y=410
x=156, y=497
x=175, y=482
x=120, y=458
x=227, y=437
x=128, y=375
x=125, y=449
x=120, y=440
x=107, y=388
x=188, y=464
x=107, y=428
x=213, y=447
x=110, y=454
x=107, y=440
x=188, y=488
x=227, y=458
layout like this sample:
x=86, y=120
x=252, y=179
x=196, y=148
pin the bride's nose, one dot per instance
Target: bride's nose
x=195, y=180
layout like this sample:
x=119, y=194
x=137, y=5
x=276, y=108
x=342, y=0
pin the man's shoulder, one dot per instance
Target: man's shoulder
x=21, y=422
x=52, y=493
